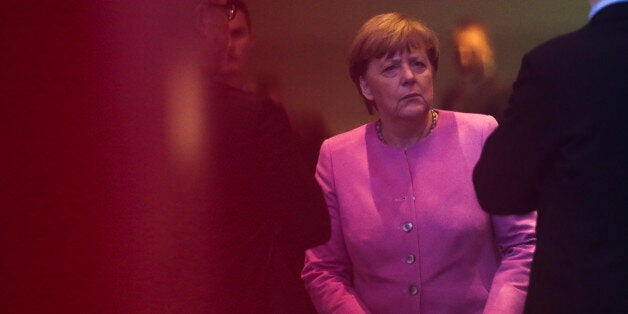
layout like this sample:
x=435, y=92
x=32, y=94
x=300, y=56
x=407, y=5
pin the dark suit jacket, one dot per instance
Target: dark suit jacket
x=562, y=150
x=265, y=207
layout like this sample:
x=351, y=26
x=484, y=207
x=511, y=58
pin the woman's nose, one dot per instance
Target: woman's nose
x=407, y=75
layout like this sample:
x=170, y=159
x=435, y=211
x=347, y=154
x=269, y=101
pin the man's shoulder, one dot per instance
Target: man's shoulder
x=225, y=94
x=594, y=48
x=233, y=101
x=592, y=37
x=558, y=45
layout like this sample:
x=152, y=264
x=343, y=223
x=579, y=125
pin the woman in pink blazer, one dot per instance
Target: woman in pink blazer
x=408, y=235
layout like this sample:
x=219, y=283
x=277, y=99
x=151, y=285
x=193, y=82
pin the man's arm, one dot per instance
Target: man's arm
x=517, y=153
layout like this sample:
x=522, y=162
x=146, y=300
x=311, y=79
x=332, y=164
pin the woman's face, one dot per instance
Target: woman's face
x=401, y=85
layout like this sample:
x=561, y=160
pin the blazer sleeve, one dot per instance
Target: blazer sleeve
x=328, y=271
x=515, y=238
x=516, y=155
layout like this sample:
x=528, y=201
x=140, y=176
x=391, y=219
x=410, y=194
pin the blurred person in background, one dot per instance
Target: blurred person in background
x=265, y=210
x=235, y=69
x=562, y=150
x=408, y=235
x=477, y=89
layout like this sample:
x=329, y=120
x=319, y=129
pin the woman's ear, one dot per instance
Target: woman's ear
x=364, y=88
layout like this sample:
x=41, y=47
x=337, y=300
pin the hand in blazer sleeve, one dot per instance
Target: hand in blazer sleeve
x=515, y=238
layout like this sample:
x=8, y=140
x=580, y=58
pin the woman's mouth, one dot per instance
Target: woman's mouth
x=413, y=95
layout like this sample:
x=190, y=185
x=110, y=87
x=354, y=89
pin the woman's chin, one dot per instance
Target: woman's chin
x=415, y=111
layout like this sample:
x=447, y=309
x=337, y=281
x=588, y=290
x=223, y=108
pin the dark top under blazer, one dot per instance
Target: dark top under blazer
x=562, y=150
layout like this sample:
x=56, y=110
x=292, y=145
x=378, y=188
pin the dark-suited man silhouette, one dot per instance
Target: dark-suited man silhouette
x=264, y=207
x=562, y=149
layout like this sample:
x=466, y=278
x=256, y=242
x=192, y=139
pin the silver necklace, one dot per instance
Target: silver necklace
x=380, y=136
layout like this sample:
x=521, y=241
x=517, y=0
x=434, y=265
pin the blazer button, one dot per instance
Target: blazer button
x=413, y=290
x=410, y=258
x=407, y=227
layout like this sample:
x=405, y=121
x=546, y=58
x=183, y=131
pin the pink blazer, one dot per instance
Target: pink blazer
x=408, y=235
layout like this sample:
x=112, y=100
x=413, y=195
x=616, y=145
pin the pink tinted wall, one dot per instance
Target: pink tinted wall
x=100, y=211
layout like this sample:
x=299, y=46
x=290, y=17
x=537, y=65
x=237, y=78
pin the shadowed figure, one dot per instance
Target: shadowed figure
x=478, y=88
x=264, y=207
x=562, y=150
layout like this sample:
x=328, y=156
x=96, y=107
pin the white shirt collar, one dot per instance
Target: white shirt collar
x=602, y=4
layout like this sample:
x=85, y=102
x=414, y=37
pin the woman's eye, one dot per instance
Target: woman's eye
x=390, y=68
x=418, y=64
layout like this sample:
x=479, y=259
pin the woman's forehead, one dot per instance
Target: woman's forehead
x=410, y=51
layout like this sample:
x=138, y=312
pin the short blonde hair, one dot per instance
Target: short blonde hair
x=386, y=35
x=474, y=34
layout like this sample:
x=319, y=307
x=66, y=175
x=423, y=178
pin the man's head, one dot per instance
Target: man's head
x=213, y=17
x=234, y=68
x=472, y=48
